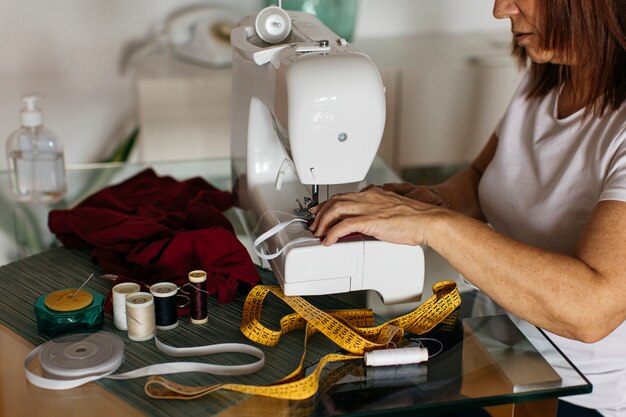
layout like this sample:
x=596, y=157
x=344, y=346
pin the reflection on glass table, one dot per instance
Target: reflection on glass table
x=479, y=357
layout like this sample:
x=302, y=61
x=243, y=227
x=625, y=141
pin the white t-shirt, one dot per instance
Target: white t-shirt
x=545, y=179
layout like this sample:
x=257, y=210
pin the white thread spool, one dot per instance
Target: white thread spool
x=402, y=356
x=120, y=291
x=273, y=24
x=140, y=316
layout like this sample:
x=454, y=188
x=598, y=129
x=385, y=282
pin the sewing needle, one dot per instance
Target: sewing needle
x=79, y=288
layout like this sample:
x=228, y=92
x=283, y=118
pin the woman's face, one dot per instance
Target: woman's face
x=525, y=25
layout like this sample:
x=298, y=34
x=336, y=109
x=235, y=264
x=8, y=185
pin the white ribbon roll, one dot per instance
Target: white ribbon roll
x=73, y=360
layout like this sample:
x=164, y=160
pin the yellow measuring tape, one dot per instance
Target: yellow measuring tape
x=352, y=330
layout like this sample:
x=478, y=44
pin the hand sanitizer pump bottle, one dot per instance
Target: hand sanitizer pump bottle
x=35, y=158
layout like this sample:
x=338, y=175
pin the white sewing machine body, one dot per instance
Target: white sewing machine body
x=311, y=111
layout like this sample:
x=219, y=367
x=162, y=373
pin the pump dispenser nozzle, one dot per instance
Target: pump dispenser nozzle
x=31, y=115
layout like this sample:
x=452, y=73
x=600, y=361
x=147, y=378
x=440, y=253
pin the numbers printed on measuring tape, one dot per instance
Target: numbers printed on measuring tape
x=352, y=330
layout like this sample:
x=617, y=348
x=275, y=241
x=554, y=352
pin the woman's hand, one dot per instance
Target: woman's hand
x=376, y=212
x=421, y=193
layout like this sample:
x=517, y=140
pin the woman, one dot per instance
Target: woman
x=551, y=183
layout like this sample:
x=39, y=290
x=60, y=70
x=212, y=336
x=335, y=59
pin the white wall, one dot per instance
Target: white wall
x=388, y=18
x=71, y=50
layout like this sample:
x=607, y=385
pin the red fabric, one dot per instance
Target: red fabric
x=155, y=229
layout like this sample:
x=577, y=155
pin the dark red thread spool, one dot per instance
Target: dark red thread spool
x=199, y=313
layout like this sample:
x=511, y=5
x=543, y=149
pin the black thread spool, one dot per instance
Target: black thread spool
x=199, y=313
x=165, y=311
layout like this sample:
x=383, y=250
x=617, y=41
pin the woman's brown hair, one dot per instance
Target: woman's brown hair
x=592, y=31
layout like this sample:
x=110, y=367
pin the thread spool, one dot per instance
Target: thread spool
x=165, y=310
x=402, y=356
x=120, y=292
x=199, y=313
x=140, y=316
x=273, y=24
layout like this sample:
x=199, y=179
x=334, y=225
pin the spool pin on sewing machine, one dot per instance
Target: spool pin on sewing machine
x=308, y=113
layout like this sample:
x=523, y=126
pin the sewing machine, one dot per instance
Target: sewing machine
x=308, y=114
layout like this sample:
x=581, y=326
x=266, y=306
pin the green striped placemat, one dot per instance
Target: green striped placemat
x=22, y=282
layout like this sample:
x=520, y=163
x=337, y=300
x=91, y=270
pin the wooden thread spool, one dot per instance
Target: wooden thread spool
x=199, y=311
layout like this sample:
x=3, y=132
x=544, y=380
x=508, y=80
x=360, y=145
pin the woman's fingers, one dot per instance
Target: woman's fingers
x=401, y=226
x=376, y=212
x=320, y=210
x=423, y=194
x=334, y=212
x=344, y=228
x=367, y=187
x=427, y=195
x=398, y=187
x=344, y=206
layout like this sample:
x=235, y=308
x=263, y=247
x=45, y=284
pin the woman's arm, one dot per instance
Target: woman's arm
x=579, y=297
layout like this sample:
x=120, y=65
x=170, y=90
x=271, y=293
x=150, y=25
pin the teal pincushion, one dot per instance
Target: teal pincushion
x=54, y=323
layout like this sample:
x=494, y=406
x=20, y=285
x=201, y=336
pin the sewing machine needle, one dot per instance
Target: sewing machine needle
x=315, y=195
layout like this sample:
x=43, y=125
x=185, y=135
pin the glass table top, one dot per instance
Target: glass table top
x=481, y=358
